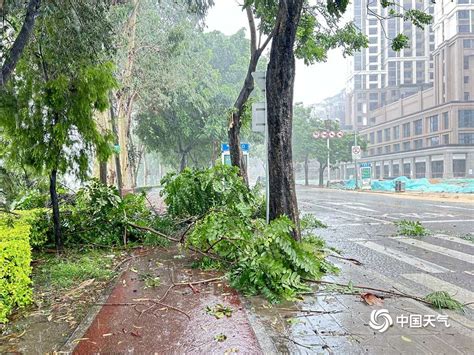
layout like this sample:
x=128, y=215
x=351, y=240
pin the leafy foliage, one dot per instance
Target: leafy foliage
x=443, y=300
x=309, y=221
x=260, y=258
x=411, y=228
x=194, y=192
x=15, y=269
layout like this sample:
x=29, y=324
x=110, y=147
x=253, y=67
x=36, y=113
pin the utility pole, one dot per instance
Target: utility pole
x=329, y=160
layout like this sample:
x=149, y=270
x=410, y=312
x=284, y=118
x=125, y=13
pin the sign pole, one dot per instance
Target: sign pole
x=329, y=167
x=355, y=162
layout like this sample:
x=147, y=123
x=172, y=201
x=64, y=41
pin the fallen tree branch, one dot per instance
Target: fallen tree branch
x=154, y=231
x=390, y=292
x=352, y=260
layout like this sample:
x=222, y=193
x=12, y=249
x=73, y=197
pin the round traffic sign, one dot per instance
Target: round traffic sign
x=316, y=135
x=324, y=134
x=339, y=134
x=332, y=134
x=356, y=149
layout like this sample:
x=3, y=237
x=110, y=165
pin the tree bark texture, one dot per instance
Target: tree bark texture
x=118, y=167
x=20, y=42
x=184, y=161
x=58, y=240
x=322, y=166
x=280, y=85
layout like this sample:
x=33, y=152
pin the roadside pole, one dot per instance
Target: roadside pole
x=329, y=160
x=355, y=163
x=258, y=121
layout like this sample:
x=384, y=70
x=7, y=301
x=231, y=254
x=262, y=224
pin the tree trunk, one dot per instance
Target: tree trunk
x=21, y=41
x=306, y=171
x=183, y=163
x=58, y=240
x=321, y=174
x=118, y=166
x=280, y=84
x=103, y=172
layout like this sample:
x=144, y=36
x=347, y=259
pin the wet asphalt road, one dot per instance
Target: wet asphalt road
x=361, y=226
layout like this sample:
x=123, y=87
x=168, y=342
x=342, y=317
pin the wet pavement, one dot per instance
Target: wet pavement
x=361, y=226
x=137, y=317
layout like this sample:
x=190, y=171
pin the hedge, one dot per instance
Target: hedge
x=15, y=260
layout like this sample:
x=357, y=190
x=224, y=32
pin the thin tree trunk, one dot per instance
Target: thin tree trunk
x=103, y=172
x=321, y=174
x=55, y=205
x=280, y=86
x=118, y=167
x=236, y=155
x=306, y=171
x=183, y=162
x=21, y=41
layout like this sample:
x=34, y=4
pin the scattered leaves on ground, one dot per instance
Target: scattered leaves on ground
x=371, y=299
x=219, y=311
x=220, y=337
x=443, y=300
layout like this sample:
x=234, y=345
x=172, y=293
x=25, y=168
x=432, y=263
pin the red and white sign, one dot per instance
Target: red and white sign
x=340, y=134
x=324, y=134
x=356, y=152
x=316, y=135
x=332, y=134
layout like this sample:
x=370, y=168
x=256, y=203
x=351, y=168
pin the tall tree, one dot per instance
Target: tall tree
x=308, y=31
x=47, y=109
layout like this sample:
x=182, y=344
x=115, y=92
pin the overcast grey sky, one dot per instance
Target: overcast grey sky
x=313, y=83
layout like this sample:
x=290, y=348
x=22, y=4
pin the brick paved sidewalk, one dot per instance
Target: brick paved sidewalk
x=129, y=322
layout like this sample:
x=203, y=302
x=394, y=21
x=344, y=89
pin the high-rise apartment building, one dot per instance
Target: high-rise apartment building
x=378, y=75
x=431, y=133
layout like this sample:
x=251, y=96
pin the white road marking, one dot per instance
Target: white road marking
x=465, y=322
x=438, y=249
x=469, y=272
x=408, y=259
x=435, y=284
x=450, y=220
x=352, y=214
x=454, y=239
x=454, y=207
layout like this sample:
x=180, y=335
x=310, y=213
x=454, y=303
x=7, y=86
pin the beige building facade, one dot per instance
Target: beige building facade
x=431, y=133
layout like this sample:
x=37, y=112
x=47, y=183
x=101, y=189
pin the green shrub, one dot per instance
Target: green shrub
x=411, y=228
x=15, y=259
x=194, y=192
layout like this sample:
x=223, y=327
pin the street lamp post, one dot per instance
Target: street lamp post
x=355, y=162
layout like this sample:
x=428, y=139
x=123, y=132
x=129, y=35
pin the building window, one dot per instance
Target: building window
x=396, y=147
x=445, y=120
x=432, y=141
x=420, y=170
x=379, y=150
x=446, y=139
x=396, y=132
x=433, y=123
x=372, y=138
x=387, y=134
x=406, y=130
x=466, y=119
x=463, y=21
x=466, y=62
x=386, y=171
x=418, y=127
x=466, y=96
x=466, y=79
x=377, y=171
x=372, y=151
x=379, y=136
x=466, y=138
x=406, y=145
x=387, y=149
x=395, y=170
x=459, y=167
x=437, y=169
x=418, y=143
x=407, y=170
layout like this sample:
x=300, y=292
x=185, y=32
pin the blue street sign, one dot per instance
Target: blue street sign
x=365, y=165
x=244, y=146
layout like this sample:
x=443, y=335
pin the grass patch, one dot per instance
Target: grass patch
x=411, y=228
x=443, y=300
x=309, y=221
x=74, y=268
